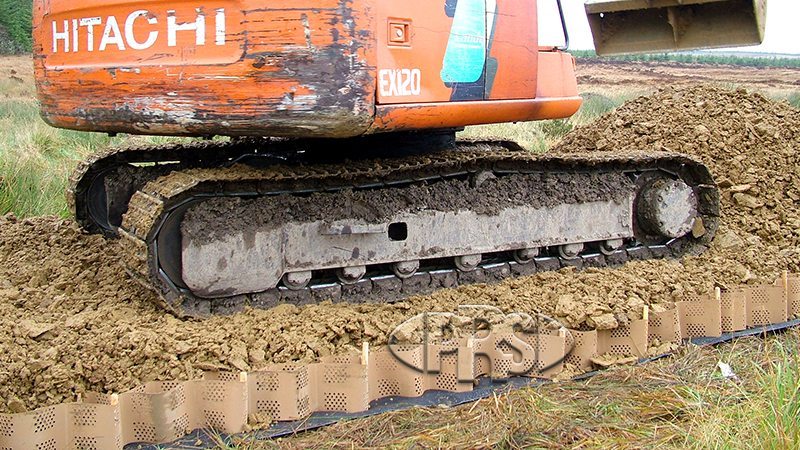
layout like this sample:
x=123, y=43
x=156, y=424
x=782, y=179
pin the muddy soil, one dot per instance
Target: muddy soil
x=71, y=320
x=483, y=193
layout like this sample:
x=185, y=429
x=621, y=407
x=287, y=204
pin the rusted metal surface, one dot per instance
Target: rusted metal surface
x=244, y=261
x=223, y=67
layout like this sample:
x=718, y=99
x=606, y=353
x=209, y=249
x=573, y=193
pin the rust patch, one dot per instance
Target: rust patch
x=296, y=77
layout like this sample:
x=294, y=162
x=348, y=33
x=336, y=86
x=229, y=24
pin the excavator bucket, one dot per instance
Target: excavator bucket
x=642, y=26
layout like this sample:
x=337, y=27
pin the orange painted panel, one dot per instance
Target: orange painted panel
x=429, y=29
x=229, y=67
x=457, y=50
x=154, y=33
x=459, y=114
x=512, y=63
x=556, y=75
x=299, y=68
x=557, y=97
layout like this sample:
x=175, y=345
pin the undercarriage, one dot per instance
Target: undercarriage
x=224, y=225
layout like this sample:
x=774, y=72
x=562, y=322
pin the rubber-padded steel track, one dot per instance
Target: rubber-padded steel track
x=152, y=206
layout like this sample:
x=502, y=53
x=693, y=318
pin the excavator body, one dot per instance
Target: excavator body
x=321, y=68
x=342, y=178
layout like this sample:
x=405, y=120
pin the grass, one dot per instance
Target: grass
x=37, y=159
x=677, y=402
x=539, y=136
x=794, y=99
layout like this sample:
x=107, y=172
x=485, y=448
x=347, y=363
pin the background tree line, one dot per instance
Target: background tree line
x=15, y=26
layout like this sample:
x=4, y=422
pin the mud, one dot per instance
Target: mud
x=71, y=320
x=750, y=143
x=483, y=193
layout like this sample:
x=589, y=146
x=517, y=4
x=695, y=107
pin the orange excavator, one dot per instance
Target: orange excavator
x=330, y=168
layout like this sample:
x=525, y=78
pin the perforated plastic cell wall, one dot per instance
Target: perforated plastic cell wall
x=701, y=317
x=733, y=311
x=49, y=444
x=40, y=429
x=393, y=374
x=793, y=297
x=93, y=426
x=150, y=413
x=339, y=387
x=664, y=326
x=282, y=391
x=164, y=411
x=224, y=403
x=447, y=366
x=512, y=354
x=627, y=341
x=549, y=351
x=6, y=426
x=502, y=358
x=584, y=349
x=481, y=366
x=765, y=305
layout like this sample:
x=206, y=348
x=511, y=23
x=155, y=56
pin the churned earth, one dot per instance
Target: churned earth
x=71, y=320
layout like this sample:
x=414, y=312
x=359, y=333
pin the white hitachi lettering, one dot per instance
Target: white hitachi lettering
x=89, y=23
x=219, y=24
x=111, y=35
x=61, y=36
x=198, y=26
x=69, y=33
x=131, y=38
x=74, y=35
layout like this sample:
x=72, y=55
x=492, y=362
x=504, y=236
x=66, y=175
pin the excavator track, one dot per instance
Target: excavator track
x=150, y=229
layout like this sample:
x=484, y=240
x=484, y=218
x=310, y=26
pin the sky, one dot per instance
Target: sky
x=782, y=33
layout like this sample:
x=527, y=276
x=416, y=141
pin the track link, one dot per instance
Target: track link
x=153, y=204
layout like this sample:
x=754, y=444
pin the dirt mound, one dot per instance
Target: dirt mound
x=71, y=320
x=750, y=143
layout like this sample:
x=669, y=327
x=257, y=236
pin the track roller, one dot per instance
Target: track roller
x=405, y=269
x=610, y=246
x=570, y=251
x=297, y=280
x=525, y=255
x=351, y=275
x=467, y=263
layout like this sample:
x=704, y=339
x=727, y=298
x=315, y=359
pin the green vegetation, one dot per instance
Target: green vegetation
x=15, y=26
x=794, y=99
x=539, y=136
x=36, y=160
x=696, y=58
